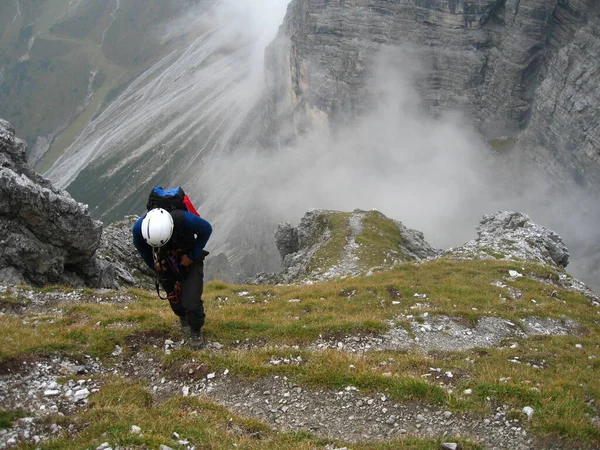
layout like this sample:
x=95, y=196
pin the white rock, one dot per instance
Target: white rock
x=135, y=429
x=51, y=392
x=514, y=274
x=449, y=446
x=81, y=395
x=468, y=391
x=528, y=411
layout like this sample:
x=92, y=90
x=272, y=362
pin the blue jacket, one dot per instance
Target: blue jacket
x=194, y=225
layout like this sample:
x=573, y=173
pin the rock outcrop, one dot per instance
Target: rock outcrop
x=510, y=65
x=47, y=237
x=513, y=236
x=116, y=247
x=333, y=244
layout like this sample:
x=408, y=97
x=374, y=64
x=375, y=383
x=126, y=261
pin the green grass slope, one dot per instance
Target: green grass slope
x=556, y=375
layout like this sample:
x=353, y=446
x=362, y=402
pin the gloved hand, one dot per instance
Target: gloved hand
x=186, y=261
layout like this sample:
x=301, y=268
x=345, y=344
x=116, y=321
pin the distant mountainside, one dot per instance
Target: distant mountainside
x=63, y=61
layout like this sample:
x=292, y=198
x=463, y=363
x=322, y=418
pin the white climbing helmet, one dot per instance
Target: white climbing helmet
x=157, y=227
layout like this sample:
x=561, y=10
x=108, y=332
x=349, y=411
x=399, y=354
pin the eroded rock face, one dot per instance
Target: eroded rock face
x=510, y=65
x=512, y=235
x=47, y=237
x=563, y=133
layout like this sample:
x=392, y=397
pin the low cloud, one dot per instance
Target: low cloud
x=435, y=174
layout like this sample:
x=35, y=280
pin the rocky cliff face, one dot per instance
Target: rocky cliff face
x=512, y=65
x=47, y=237
x=564, y=133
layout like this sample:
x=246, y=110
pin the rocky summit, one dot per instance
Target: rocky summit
x=332, y=244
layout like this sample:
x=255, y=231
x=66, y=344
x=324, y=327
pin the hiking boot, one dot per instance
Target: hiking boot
x=197, y=341
x=185, y=326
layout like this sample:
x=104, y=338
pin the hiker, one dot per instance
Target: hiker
x=172, y=244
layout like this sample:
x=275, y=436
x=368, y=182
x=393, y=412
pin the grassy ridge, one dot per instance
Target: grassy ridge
x=554, y=376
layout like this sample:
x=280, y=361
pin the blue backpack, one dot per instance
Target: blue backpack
x=170, y=200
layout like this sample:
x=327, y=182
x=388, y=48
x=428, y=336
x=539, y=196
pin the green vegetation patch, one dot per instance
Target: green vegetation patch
x=337, y=225
x=8, y=418
x=380, y=241
x=504, y=144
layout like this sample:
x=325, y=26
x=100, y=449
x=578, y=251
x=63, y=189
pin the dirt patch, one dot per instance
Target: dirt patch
x=146, y=338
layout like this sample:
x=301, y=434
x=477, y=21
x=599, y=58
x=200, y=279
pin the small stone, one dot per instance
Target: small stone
x=449, y=446
x=447, y=414
x=135, y=429
x=528, y=411
x=81, y=394
x=468, y=391
x=103, y=446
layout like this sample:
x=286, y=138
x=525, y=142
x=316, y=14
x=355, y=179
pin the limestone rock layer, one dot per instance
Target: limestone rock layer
x=521, y=68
